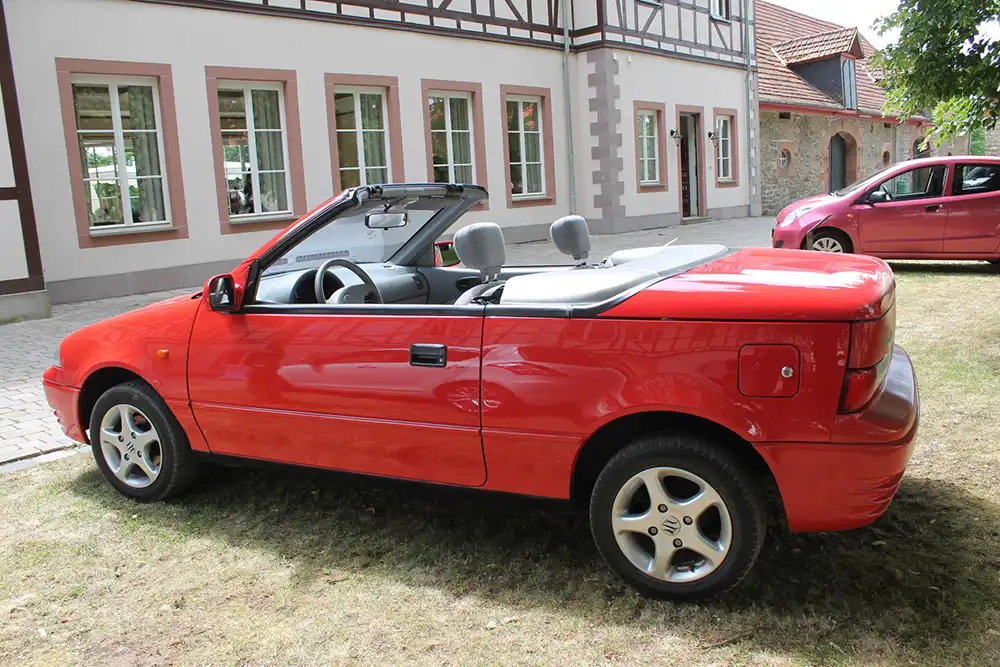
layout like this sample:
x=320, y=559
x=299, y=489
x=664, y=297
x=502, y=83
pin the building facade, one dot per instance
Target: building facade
x=173, y=150
x=821, y=122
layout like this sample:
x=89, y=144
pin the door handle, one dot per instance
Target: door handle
x=930, y=208
x=467, y=283
x=424, y=354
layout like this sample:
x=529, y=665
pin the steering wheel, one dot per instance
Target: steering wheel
x=349, y=294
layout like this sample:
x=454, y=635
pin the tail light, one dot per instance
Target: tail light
x=868, y=361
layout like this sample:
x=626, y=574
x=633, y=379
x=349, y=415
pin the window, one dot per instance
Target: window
x=724, y=153
x=850, y=84
x=524, y=146
x=451, y=137
x=720, y=9
x=649, y=149
x=886, y=158
x=254, y=148
x=362, y=137
x=971, y=179
x=119, y=134
x=919, y=183
x=784, y=158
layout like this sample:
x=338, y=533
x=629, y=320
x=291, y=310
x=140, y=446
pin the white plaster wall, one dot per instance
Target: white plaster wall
x=675, y=82
x=6, y=167
x=13, y=263
x=190, y=39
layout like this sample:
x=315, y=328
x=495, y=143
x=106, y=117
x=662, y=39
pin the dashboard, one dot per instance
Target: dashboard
x=396, y=284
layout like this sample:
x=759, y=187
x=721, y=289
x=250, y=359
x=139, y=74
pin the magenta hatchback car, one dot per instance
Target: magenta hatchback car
x=931, y=208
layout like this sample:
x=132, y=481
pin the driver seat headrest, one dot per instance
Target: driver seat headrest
x=481, y=246
x=571, y=235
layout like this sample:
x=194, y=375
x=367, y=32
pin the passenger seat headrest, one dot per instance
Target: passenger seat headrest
x=572, y=237
x=480, y=246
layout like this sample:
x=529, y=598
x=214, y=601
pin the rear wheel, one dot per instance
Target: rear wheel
x=830, y=240
x=677, y=517
x=139, y=446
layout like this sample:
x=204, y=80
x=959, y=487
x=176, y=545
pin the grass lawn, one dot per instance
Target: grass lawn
x=296, y=567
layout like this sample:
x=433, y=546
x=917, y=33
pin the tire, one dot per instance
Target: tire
x=629, y=545
x=138, y=445
x=829, y=240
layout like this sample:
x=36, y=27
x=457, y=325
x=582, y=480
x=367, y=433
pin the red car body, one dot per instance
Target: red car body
x=956, y=217
x=525, y=401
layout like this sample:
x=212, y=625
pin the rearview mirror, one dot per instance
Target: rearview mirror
x=445, y=254
x=878, y=197
x=385, y=220
x=222, y=294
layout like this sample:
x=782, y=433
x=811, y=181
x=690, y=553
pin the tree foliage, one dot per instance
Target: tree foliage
x=943, y=64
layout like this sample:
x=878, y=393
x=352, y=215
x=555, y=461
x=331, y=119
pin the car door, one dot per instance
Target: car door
x=356, y=388
x=913, y=220
x=974, y=214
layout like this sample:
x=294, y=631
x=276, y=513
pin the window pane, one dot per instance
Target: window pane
x=136, y=106
x=441, y=175
x=516, y=179
x=651, y=172
x=93, y=107
x=347, y=149
x=266, y=112
x=343, y=109
x=236, y=153
x=459, y=113
x=531, y=116
x=436, y=105
x=464, y=175
x=99, y=159
x=534, y=173
x=461, y=144
x=270, y=154
x=232, y=111
x=371, y=112
x=650, y=147
x=514, y=142
x=142, y=154
x=272, y=193
x=976, y=178
x=374, y=149
x=512, y=120
x=104, y=203
x=350, y=178
x=377, y=176
x=240, y=193
x=148, y=205
x=532, y=148
x=439, y=148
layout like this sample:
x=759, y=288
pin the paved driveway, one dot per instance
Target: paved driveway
x=28, y=428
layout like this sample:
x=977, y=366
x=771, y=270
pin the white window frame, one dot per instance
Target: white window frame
x=450, y=164
x=247, y=87
x=521, y=100
x=724, y=152
x=721, y=10
x=655, y=158
x=848, y=69
x=357, y=91
x=112, y=83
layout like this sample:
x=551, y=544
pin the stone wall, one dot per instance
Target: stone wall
x=993, y=141
x=875, y=145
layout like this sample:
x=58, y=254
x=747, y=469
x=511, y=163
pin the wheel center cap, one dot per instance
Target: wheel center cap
x=671, y=525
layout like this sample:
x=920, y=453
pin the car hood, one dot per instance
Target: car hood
x=815, y=202
x=764, y=284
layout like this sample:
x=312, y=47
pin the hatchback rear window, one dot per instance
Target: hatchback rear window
x=973, y=179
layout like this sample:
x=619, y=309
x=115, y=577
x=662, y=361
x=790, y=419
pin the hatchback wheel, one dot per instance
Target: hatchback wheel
x=677, y=517
x=829, y=241
x=138, y=444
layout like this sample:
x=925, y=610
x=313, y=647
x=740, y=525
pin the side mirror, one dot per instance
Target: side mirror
x=222, y=294
x=445, y=254
x=878, y=197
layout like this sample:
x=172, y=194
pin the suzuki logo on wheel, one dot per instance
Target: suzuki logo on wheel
x=671, y=526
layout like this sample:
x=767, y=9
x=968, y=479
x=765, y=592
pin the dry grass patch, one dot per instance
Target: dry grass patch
x=288, y=566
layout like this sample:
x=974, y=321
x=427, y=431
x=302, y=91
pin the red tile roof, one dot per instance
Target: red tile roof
x=783, y=31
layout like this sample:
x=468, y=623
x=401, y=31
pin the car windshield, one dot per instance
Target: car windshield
x=348, y=237
x=857, y=186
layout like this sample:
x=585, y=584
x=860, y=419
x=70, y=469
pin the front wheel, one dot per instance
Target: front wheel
x=828, y=240
x=677, y=517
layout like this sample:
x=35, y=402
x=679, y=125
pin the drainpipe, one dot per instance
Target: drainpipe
x=568, y=110
x=749, y=124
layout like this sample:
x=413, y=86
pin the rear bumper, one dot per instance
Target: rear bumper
x=65, y=403
x=850, y=482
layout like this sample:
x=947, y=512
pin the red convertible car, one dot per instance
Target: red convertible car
x=671, y=389
x=931, y=208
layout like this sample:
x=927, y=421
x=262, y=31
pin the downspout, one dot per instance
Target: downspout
x=568, y=110
x=749, y=83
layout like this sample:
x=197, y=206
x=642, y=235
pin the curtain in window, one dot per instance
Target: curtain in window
x=270, y=153
x=142, y=153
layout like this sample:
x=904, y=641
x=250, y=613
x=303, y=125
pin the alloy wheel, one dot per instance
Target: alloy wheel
x=828, y=244
x=130, y=446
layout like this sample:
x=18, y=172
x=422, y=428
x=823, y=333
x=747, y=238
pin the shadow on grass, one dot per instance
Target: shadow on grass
x=921, y=577
x=957, y=268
